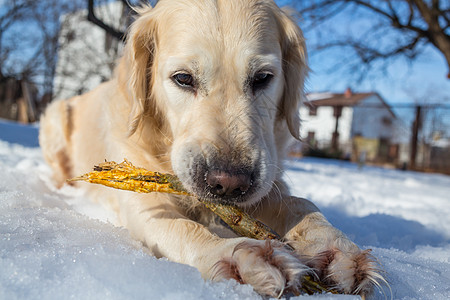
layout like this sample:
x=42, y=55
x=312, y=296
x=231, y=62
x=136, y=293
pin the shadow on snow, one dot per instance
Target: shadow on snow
x=384, y=231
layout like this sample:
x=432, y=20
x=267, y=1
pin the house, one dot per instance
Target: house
x=87, y=54
x=349, y=125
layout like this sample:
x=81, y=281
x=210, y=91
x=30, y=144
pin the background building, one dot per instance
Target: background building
x=88, y=54
x=349, y=125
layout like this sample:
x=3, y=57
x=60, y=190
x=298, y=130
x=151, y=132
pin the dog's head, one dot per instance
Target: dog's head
x=222, y=80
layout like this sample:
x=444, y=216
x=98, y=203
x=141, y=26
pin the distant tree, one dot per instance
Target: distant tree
x=31, y=39
x=29, y=32
x=90, y=42
x=12, y=15
x=87, y=53
x=382, y=30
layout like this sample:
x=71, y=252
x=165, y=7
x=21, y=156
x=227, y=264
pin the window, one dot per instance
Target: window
x=111, y=43
x=311, y=139
x=386, y=121
x=313, y=110
x=70, y=36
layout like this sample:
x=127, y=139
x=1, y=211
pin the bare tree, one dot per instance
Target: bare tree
x=29, y=39
x=379, y=30
x=90, y=42
x=88, y=53
x=12, y=15
x=111, y=28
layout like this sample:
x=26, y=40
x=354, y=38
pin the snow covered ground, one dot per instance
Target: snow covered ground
x=55, y=244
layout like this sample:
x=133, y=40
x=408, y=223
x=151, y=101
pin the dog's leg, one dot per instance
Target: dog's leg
x=267, y=266
x=336, y=259
x=54, y=138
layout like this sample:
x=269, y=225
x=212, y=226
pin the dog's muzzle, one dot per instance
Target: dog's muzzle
x=223, y=181
x=228, y=178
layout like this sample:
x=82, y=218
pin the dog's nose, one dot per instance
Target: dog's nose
x=225, y=184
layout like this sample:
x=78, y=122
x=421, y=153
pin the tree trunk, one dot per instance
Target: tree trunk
x=435, y=33
x=414, y=138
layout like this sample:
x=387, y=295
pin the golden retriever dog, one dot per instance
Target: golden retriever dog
x=208, y=90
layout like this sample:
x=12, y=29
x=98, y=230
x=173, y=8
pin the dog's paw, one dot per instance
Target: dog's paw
x=352, y=272
x=266, y=265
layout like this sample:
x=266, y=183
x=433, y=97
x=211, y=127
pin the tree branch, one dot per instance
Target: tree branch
x=373, y=8
x=120, y=35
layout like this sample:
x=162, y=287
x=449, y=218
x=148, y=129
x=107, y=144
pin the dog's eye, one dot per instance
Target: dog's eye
x=184, y=80
x=261, y=80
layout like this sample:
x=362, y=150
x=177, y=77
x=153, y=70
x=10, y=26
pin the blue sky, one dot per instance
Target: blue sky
x=421, y=81
x=406, y=81
x=426, y=77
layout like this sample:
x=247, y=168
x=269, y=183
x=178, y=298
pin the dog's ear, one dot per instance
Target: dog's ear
x=135, y=68
x=295, y=70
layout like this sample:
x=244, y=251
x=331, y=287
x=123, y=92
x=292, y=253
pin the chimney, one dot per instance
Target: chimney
x=348, y=93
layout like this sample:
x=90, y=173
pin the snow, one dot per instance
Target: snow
x=55, y=244
x=318, y=96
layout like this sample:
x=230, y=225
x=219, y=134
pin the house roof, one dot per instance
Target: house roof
x=348, y=98
x=333, y=99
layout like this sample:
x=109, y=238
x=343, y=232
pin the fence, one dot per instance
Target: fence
x=420, y=141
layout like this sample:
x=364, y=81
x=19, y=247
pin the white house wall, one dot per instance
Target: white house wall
x=323, y=124
x=83, y=61
x=369, y=119
x=345, y=125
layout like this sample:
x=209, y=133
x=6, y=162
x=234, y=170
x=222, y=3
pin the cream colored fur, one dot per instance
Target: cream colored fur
x=223, y=120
